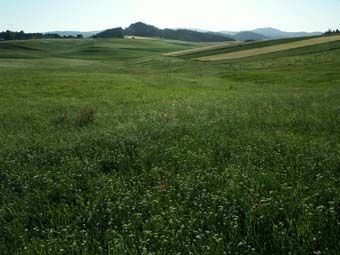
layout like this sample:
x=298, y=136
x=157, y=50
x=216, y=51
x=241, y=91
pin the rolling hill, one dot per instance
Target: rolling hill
x=109, y=147
x=110, y=33
x=319, y=41
x=249, y=36
x=228, y=48
x=274, y=33
x=142, y=29
x=270, y=34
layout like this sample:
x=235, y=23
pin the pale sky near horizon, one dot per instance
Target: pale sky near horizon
x=215, y=15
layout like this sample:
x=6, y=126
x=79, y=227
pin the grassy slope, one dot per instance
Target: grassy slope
x=218, y=46
x=273, y=49
x=99, y=49
x=245, y=46
x=108, y=146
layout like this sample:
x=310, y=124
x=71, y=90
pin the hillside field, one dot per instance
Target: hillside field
x=272, y=49
x=239, y=51
x=202, y=49
x=109, y=147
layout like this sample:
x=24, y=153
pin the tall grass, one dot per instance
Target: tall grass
x=167, y=156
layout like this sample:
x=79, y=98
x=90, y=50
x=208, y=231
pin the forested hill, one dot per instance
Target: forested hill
x=142, y=29
x=111, y=33
x=136, y=29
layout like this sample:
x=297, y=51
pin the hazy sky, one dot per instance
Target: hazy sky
x=87, y=15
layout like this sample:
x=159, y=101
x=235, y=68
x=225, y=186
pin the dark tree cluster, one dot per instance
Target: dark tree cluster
x=12, y=35
x=141, y=29
x=192, y=36
x=331, y=31
x=111, y=33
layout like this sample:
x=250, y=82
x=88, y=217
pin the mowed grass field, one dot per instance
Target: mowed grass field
x=108, y=147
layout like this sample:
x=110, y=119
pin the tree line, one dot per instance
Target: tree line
x=136, y=29
x=332, y=31
x=111, y=33
x=13, y=35
x=142, y=29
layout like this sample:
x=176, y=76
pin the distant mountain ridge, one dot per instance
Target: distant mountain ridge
x=144, y=30
x=249, y=36
x=277, y=34
x=258, y=34
x=268, y=33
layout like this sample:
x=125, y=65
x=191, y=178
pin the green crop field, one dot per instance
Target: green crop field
x=109, y=147
x=273, y=49
x=229, y=47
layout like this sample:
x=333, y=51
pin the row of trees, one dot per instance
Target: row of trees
x=192, y=36
x=331, y=31
x=141, y=29
x=12, y=35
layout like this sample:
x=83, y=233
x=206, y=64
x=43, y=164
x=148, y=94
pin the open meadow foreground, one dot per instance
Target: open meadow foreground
x=110, y=147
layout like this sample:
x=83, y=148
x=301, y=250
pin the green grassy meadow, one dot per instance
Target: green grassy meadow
x=108, y=147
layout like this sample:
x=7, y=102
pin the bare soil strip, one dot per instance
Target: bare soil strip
x=201, y=49
x=271, y=49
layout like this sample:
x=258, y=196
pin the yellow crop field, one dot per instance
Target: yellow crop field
x=271, y=49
